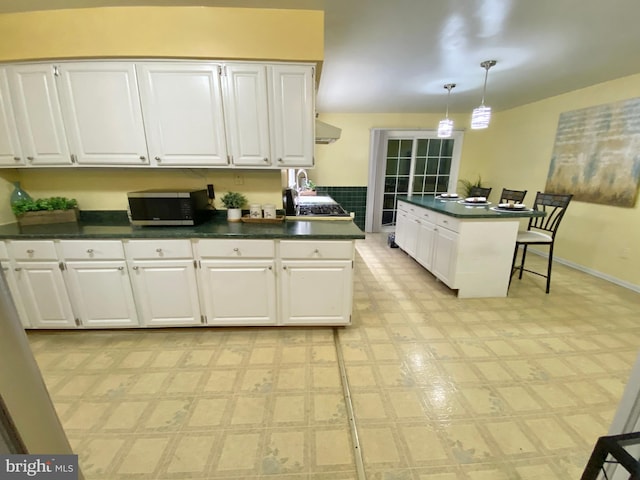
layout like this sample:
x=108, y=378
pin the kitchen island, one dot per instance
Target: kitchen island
x=468, y=247
x=104, y=273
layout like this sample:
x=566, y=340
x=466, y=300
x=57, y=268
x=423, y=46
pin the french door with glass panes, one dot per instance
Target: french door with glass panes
x=413, y=163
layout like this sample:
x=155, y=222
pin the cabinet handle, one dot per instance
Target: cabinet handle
x=158, y=159
x=17, y=269
x=236, y=249
x=30, y=251
x=284, y=267
x=120, y=268
x=90, y=251
x=266, y=160
x=316, y=251
x=17, y=159
x=159, y=250
x=279, y=160
x=143, y=158
x=135, y=268
x=270, y=267
x=73, y=158
x=30, y=159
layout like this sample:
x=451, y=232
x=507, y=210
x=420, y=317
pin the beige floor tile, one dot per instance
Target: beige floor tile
x=198, y=358
x=262, y=355
x=125, y=416
x=257, y=380
x=231, y=356
x=222, y=380
x=192, y=454
x=460, y=372
x=333, y=447
x=293, y=354
x=587, y=427
x=519, y=399
x=422, y=443
x=369, y=405
x=167, y=358
x=379, y=446
x=329, y=407
x=483, y=401
x=208, y=412
x=325, y=377
x=144, y=456
x=549, y=432
x=555, y=395
x=249, y=411
x=239, y=452
x=98, y=457
x=493, y=371
x=289, y=409
x=510, y=438
x=77, y=385
x=147, y=383
x=72, y=360
x=135, y=359
x=407, y=404
x=167, y=414
x=285, y=453
x=185, y=382
x=85, y=416
x=466, y=443
x=324, y=353
x=536, y=472
x=292, y=378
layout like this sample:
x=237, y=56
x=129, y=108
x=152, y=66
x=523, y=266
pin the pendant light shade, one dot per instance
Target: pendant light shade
x=481, y=115
x=445, y=127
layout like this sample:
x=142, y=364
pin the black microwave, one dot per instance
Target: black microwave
x=168, y=207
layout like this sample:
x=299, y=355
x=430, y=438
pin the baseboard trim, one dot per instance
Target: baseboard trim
x=590, y=271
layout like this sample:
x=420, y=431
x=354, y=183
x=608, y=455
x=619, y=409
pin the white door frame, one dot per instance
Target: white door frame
x=377, y=163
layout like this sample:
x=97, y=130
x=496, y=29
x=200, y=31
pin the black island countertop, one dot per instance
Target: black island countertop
x=110, y=226
x=454, y=208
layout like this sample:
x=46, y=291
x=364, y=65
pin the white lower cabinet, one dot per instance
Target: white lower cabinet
x=45, y=294
x=164, y=282
x=101, y=293
x=10, y=277
x=316, y=282
x=238, y=292
x=445, y=255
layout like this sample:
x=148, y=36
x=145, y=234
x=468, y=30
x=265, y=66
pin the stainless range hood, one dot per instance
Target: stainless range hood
x=326, y=133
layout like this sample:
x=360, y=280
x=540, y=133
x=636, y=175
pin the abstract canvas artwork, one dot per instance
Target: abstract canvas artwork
x=596, y=155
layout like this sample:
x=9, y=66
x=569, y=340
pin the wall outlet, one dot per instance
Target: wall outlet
x=238, y=179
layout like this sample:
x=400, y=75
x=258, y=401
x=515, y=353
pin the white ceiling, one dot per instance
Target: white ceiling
x=396, y=55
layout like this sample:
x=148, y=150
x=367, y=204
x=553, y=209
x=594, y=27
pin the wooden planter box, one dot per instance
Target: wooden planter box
x=48, y=216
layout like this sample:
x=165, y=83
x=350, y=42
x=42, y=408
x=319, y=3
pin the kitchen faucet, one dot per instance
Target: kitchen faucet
x=306, y=179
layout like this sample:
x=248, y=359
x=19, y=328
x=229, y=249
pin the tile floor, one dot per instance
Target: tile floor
x=442, y=388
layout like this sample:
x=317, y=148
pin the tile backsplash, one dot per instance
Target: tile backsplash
x=352, y=199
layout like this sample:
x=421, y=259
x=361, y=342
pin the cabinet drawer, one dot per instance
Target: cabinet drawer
x=316, y=250
x=148, y=249
x=236, y=248
x=92, y=250
x=448, y=222
x=403, y=206
x=4, y=254
x=427, y=215
x=33, y=250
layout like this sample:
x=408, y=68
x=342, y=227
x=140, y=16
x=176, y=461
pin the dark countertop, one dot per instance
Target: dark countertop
x=218, y=227
x=455, y=209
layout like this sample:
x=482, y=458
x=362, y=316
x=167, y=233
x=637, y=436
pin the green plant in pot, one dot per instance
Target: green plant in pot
x=234, y=201
x=468, y=185
x=45, y=210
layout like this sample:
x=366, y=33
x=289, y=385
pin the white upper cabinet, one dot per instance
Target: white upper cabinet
x=292, y=115
x=38, y=115
x=101, y=108
x=10, y=152
x=183, y=116
x=247, y=113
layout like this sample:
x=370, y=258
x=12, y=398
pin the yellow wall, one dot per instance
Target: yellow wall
x=196, y=32
x=598, y=237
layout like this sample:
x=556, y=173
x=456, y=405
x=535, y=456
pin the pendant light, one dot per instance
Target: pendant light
x=482, y=115
x=445, y=127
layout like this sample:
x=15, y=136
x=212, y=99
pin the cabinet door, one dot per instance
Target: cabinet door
x=182, y=105
x=10, y=277
x=445, y=256
x=101, y=108
x=402, y=220
x=44, y=293
x=10, y=151
x=39, y=115
x=239, y=292
x=316, y=292
x=248, y=117
x=426, y=241
x=101, y=293
x=166, y=292
x=292, y=115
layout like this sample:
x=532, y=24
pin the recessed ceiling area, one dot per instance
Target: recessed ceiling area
x=386, y=56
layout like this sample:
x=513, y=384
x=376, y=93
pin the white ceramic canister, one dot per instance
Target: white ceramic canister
x=269, y=210
x=255, y=210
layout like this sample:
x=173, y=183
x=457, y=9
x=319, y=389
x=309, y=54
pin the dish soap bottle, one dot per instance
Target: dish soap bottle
x=18, y=194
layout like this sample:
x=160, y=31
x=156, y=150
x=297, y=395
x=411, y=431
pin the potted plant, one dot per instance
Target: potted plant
x=467, y=185
x=234, y=202
x=45, y=210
